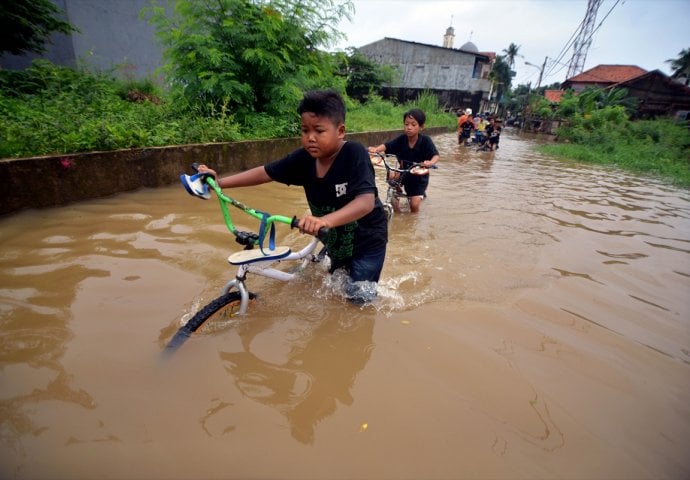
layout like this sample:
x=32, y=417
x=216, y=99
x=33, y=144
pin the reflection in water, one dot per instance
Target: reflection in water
x=38, y=283
x=317, y=371
x=535, y=312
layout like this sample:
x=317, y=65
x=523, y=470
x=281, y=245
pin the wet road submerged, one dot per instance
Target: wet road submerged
x=533, y=321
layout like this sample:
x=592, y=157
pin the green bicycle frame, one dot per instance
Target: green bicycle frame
x=224, y=200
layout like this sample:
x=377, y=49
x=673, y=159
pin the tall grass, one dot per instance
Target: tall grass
x=378, y=114
x=659, y=148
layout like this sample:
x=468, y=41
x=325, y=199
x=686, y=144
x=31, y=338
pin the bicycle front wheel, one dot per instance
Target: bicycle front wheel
x=222, y=308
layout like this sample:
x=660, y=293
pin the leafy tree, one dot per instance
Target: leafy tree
x=592, y=99
x=538, y=106
x=618, y=97
x=681, y=65
x=568, y=106
x=26, y=25
x=522, y=89
x=544, y=88
x=363, y=76
x=248, y=55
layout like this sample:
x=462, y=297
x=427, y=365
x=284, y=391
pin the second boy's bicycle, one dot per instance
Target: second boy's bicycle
x=394, y=180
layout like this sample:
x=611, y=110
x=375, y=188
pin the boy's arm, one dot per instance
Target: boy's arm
x=429, y=151
x=431, y=161
x=356, y=209
x=378, y=149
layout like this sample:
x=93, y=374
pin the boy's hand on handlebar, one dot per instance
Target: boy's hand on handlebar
x=311, y=225
x=207, y=170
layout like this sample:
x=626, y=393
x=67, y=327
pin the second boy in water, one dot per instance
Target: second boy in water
x=412, y=147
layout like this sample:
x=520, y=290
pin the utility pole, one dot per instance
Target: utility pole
x=541, y=70
x=583, y=39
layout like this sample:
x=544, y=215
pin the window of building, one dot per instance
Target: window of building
x=477, y=71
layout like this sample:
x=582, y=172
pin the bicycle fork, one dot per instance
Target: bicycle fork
x=238, y=283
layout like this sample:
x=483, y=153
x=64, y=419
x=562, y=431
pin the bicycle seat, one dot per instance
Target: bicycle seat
x=250, y=256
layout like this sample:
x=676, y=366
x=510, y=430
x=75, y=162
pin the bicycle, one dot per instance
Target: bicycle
x=485, y=146
x=394, y=180
x=235, y=295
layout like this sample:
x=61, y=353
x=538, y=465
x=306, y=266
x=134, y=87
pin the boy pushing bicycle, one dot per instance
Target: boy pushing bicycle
x=412, y=147
x=339, y=183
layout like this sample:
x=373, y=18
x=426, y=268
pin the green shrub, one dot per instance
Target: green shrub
x=48, y=110
x=606, y=136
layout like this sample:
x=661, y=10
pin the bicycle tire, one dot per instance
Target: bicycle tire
x=230, y=299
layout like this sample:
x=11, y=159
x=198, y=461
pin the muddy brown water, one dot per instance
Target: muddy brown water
x=533, y=321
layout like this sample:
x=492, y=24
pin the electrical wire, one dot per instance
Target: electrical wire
x=557, y=60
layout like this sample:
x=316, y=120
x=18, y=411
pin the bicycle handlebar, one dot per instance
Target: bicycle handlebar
x=384, y=156
x=248, y=239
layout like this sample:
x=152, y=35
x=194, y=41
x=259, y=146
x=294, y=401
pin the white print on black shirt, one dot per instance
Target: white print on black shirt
x=340, y=189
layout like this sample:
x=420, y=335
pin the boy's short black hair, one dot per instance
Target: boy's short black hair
x=323, y=103
x=417, y=114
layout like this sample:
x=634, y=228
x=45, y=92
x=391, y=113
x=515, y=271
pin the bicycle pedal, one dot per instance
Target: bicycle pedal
x=246, y=238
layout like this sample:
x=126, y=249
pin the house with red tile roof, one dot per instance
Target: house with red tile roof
x=603, y=76
x=657, y=94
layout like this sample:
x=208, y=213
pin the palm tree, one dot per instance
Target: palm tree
x=500, y=77
x=511, y=52
x=595, y=98
x=681, y=65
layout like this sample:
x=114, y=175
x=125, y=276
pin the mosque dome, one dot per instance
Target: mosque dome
x=450, y=31
x=470, y=47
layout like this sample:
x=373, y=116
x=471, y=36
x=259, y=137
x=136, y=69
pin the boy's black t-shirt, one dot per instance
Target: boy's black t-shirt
x=424, y=149
x=493, y=132
x=351, y=174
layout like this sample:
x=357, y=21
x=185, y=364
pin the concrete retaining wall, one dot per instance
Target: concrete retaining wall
x=40, y=182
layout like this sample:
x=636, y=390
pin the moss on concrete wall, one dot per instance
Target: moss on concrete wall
x=41, y=182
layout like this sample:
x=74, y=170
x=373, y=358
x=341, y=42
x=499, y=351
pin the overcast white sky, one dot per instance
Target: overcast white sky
x=630, y=32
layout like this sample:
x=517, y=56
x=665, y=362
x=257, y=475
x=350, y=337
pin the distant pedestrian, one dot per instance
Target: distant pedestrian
x=465, y=127
x=493, y=133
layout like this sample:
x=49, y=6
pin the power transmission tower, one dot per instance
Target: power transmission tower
x=583, y=39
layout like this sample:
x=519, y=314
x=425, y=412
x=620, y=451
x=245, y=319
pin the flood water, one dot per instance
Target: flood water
x=533, y=321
